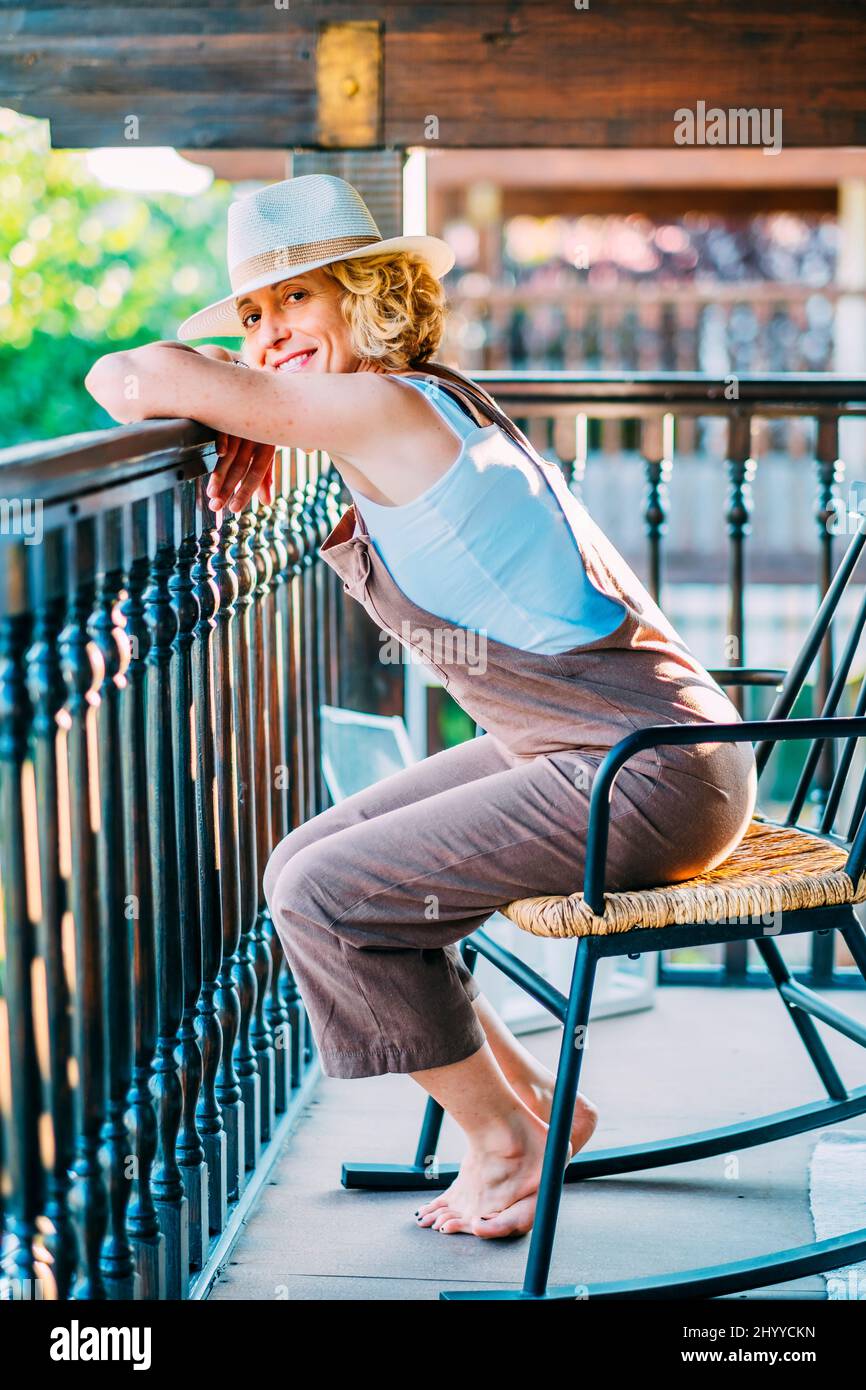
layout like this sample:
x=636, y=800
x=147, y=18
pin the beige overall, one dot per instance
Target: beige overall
x=370, y=897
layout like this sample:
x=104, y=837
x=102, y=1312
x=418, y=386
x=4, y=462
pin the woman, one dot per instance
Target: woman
x=458, y=531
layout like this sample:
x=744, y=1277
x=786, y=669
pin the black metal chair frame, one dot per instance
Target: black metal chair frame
x=802, y=1004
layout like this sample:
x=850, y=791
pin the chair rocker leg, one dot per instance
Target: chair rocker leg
x=855, y=939
x=711, y=1281
x=574, y=1034
x=735, y=1276
x=823, y=1062
x=426, y=1174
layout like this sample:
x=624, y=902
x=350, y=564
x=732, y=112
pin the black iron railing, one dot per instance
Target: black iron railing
x=161, y=667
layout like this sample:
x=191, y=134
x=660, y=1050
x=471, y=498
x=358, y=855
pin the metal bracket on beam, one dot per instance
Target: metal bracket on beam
x=349, y=85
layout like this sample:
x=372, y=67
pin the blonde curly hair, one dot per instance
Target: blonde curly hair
x=394, y=306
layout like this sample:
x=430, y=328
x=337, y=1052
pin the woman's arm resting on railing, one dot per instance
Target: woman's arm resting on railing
x=116, y=379
x=258, y=459
x=173, y=381
x=115, y=383
x=367, y=425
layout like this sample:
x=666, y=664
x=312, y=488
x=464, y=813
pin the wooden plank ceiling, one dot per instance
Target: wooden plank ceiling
x=237, y=74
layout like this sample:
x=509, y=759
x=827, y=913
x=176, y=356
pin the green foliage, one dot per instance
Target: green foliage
x=455, y=725
x=86, y=269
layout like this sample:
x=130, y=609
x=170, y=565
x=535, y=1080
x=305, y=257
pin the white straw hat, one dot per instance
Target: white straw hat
x=297, y=225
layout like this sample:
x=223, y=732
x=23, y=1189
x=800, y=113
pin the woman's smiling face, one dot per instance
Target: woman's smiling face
x=296, y=325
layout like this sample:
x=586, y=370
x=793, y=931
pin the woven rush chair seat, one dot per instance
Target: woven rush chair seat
x=773, y=869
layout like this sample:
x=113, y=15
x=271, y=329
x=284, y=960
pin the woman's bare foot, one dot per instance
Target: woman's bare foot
x=525, y=1074
x=538, y=1095
x=496, y=1190
x=501, y=1097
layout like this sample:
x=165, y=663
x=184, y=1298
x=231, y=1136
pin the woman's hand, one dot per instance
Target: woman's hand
x=357, y=414
x=244, y=465
x=244, y=468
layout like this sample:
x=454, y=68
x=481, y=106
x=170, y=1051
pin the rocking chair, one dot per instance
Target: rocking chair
x=810, y=878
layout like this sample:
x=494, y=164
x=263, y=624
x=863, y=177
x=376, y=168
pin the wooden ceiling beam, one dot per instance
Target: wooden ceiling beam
x=661, y=203
x=456, y=75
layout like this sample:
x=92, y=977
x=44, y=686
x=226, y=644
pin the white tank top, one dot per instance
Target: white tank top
x=487, y=545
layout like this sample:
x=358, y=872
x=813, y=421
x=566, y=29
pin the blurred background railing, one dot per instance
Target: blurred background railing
x=761, y=326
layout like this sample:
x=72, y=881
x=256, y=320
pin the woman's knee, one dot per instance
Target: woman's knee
x=299, y=881
x=284, y=853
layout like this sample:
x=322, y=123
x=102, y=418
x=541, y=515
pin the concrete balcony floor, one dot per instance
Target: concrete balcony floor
x=699, y=1059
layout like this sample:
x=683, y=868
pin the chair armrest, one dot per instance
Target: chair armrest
x=682, y=735
x=747, y=675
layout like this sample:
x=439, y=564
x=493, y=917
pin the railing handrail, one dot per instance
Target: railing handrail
x=685, y=392
x=637, y=293
x=56, y=470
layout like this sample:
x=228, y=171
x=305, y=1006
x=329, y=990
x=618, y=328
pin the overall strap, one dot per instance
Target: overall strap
x=479, y=402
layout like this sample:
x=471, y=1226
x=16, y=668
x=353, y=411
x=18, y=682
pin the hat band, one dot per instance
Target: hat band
x=288, y=256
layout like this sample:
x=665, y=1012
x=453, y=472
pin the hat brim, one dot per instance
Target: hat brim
x=220, y=319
